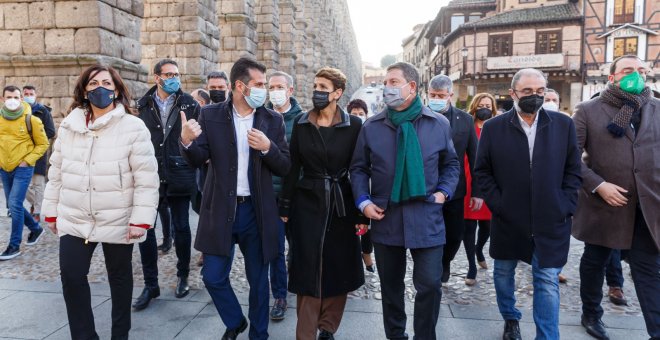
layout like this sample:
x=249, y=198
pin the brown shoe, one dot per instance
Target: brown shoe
x=562, y=278
x=616, y=296
x=483, y=264
x=470, y=282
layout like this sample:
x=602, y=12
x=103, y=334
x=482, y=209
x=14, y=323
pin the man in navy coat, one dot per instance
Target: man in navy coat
x=528, y=168
x=415, y=223
x=246, y=145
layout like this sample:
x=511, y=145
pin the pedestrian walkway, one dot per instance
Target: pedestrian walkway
x=35, y=310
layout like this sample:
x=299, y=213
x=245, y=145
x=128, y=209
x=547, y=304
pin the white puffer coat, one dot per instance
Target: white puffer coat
x=102, y=178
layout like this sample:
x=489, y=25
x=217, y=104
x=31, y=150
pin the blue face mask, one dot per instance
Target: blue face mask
x=30, y=99
x=101, y=97
x=171, y=85
x=438, y=105
x=257, y=97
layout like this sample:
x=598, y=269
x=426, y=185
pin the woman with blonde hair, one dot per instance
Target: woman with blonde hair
x=482, y=108
x=103, y=188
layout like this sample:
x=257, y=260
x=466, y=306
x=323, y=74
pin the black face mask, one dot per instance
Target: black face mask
x=483, y=114
x=321, y=100
x=101, y=97
x=530, y=104
x=218, y=96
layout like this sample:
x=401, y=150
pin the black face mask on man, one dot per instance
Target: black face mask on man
x=530, y=104
x=218, y=96
x=320, y=99
x=483, y=113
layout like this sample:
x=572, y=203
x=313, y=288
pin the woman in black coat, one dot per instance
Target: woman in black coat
x=325, y=262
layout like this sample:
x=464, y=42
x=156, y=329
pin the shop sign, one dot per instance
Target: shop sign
x=525, y=61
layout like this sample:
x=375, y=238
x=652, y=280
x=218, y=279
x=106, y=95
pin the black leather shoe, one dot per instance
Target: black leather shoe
x=143, y=300
x=232, y=334
x=182, y=288
x=279, y=309
x=325, y=335
x=595, y=328
x=166, y=245
x=445, y=276
x=511, y=330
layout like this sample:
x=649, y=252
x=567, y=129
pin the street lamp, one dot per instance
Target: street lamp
x=464, y=53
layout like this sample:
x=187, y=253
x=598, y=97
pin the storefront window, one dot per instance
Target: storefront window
x=548, y=42
x=623, y=46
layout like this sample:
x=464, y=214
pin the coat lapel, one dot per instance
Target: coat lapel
x=648, y=117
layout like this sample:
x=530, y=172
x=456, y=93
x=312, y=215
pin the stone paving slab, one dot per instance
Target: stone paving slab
x=34, y=315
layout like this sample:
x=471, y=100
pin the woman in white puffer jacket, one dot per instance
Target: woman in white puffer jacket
x=103, y=188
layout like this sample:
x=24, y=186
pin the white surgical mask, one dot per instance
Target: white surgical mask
x=12, y=104
x=278, y=97
x=551, y=106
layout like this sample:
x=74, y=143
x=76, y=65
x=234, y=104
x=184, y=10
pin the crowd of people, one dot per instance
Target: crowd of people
x=337, y=186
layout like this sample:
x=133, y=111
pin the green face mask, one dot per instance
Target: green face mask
x=632, y=83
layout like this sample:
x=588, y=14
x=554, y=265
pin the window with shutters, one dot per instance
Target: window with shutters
x=548, y=42
x=623, y=46
x=624, y=11
x=500, y=45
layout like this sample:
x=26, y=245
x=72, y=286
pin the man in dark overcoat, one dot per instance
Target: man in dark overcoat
x=246, y=146
x=528, y=169
x=618, y=205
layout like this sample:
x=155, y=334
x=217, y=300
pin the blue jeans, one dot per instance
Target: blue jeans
x=278, y=277
x=215, y=274
x=16, y=184
x=614, y=271
x=546, y=296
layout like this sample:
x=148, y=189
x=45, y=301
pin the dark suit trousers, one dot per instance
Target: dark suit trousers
x=426, y=279
x=215, y=275
x=179, y=207
x=75, y=259
x=452, y=212
x=645, y=267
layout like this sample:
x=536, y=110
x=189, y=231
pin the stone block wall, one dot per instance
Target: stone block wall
x=48, y=43
x=185, y=31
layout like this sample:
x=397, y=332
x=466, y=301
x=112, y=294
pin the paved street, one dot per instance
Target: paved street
x=31, y=304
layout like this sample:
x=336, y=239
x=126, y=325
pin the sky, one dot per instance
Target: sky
x=381, y=25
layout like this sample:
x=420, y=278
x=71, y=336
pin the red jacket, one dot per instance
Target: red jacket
x=483, y=213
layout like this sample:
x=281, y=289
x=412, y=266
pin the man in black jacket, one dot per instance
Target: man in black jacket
x=464, y=136
x=35, y=193
x=160, y=110
x=246, y=146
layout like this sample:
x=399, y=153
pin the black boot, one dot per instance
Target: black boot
x=511, y=330
x=143, y=300
x=166, y=245
x=595, y=327
x=182, y=288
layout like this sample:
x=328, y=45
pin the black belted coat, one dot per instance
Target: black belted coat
x=317, y=198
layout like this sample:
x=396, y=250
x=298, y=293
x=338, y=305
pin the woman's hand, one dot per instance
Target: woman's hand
x=53, y=227
x=135, y=233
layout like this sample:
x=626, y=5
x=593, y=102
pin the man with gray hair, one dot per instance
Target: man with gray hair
x=404, y=168
x=528, y=168
x=464, y=137
x=280, y=93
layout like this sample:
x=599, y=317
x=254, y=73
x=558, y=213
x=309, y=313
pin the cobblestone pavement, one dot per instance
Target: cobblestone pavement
x=40, y=262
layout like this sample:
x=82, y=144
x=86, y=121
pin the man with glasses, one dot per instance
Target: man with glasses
x=528, y=169
x=619, y=131
x=160, y=110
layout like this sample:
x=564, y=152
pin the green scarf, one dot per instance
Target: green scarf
x=12, y=115
x=409, y=181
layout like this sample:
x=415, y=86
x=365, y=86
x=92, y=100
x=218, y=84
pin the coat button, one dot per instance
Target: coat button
x=158, y=126
x=232, y=169
x=636, y=145
x=161, y=144
x=636, y=170
x=231, y=193
x=230, y=219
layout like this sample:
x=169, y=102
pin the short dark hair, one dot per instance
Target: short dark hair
x=29, y=87
x=158, y=68
x=241, y=70
x=357, y=104
x=334, y=75
x=627, y=56
x=217, y=75
x=10, y=88
x=409, y=71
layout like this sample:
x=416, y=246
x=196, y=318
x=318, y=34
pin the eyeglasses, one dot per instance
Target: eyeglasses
x=628, y=70
x=170, y=75
x=529, y=92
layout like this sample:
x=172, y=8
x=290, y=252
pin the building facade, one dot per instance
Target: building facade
x=48, y=43
x=618, y=27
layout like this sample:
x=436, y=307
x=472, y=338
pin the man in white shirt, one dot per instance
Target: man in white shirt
x=246, y=148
